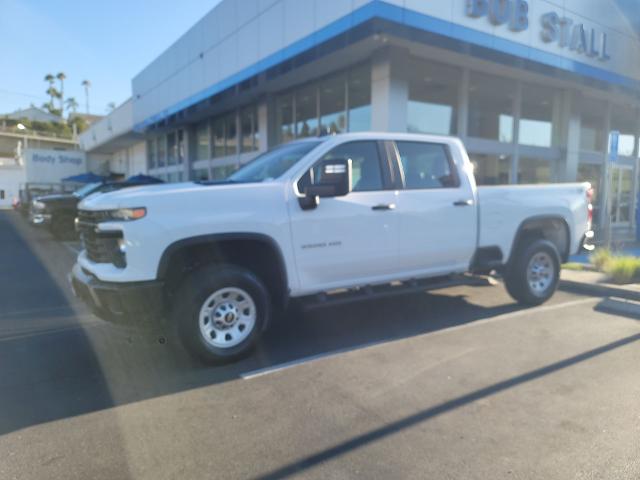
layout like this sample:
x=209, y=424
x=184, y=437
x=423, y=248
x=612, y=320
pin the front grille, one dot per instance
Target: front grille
x=101, y=247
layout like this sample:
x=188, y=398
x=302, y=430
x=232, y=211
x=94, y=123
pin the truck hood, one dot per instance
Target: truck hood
x=58, y=198
x=185, y=195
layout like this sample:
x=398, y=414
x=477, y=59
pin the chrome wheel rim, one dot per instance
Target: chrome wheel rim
x=540, y=273
x=227, y=317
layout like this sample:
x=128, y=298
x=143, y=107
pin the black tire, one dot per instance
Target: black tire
x=516, y=278
x=190, y=298
x=62, y=227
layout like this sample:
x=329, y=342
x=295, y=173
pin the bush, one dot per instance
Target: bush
x=600, y=258
x=623, y=269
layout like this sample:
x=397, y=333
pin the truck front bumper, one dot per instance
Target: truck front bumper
x=123, y=303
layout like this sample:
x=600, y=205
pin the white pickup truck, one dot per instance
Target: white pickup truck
x=329, y=219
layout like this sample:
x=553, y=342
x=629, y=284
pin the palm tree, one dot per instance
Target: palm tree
x=50, y=79
x=53, y=93
x=72, y=104
x=61, y=77
x=86, y=84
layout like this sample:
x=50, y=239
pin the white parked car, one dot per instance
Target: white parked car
x=351, y=213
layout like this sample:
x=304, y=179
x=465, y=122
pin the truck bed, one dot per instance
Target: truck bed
x=502, y=209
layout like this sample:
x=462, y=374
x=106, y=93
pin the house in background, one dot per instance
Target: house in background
x=33, y=114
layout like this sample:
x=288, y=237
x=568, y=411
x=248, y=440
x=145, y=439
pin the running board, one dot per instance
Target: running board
x=368, y=292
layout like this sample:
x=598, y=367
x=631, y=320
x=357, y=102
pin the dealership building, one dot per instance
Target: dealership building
x=532, y=87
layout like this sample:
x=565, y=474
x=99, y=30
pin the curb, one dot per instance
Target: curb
x=620, y=306
x=599, y=290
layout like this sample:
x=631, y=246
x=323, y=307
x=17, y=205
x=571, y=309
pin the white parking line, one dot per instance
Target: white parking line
x=72, y=248
x=300, y=361
x=88, y=323
x=506, y=316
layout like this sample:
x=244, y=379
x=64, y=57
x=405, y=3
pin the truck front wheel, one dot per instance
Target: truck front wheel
x=534, y=273
x=220, y=311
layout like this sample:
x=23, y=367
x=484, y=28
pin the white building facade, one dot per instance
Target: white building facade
x=112, y=146
x=533, y=87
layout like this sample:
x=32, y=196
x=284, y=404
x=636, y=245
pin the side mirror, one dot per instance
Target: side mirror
x=335, y=181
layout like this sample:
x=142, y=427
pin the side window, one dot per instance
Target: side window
x=427, y=165
x=365, y=159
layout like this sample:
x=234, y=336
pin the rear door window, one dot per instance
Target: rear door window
x=427, y=166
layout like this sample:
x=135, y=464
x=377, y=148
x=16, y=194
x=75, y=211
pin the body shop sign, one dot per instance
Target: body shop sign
x=563, y=31
x=51, y=166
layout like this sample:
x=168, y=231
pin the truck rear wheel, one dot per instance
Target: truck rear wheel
x=220, y=311
x=534, y=273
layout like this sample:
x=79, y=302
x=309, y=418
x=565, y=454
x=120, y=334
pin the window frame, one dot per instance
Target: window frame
x=399, y=168
x=386, y=171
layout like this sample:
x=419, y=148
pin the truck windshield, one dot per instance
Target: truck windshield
x=274, y=163
x=86, y=190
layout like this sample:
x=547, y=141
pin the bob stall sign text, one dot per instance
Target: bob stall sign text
x=555, y=28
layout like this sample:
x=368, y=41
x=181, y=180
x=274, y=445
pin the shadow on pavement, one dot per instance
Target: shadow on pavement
x=48, y=367
x=53, y=373
x=298, y=467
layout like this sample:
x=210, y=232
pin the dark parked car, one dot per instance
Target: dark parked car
x=57, y=212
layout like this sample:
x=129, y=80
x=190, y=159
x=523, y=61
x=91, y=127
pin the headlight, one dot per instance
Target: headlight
x=39, y=205
x=128, y=214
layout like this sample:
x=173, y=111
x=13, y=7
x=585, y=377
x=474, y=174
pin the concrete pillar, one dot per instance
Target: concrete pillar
x=568, y=128
x=463, y=104
x=189, y=151
x=517, y=112
x=389, y=90
x=263, y=126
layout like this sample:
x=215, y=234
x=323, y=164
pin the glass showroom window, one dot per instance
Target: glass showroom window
x=161, y=142
x=536, y=116
x=180, y=146
x=623, y=119
x=433, y=98
x=360, y=99
x=333, y=105
x=534, y=170
x=172, y=148
x=249, y=129
x=286, y=127
x=307, y=112
x=221, y=172
x=151, y=153
x=218, y=137
x=592, y=128
x=174, y=177
x=230, y=134
x=491, y=102
x=492, y=169
x=202, y=141
x=200, y=174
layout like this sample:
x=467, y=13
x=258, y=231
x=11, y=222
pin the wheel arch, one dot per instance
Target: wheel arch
x=264, y=257
x=553, y=228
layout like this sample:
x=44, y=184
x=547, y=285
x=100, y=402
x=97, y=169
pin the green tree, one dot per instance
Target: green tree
x=72, y=104
x=80, y=123
x=86, y=84
x=50, y=79
x=61, y=78
x=53, y=93
x=111, y=106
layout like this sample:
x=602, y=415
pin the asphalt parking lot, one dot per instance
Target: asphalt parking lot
x=454, y=384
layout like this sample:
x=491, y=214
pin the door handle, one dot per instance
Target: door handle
x=384, y=206
x=463, y=203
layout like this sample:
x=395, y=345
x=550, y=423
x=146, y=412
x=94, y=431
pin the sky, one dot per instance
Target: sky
x=107, y=42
